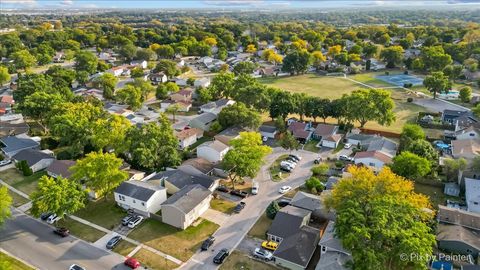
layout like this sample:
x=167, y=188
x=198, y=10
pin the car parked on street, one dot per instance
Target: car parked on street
x=133, y=223
x=283, y=202
x=285, y=169
x=44, y=216
x=317, y=160
x=284, y=189
x=221, y=256
x=132, y=263
x=207, y=243
x=270, y=245
x=223, y=189
x=288, y=163
x=53, y=218
x=260, y=253
x=239, y=193
x=239, y=207
x=113, y=242
x=63, y=232
x=297, y=157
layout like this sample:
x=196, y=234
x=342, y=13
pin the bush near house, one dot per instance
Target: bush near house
x=24, y=168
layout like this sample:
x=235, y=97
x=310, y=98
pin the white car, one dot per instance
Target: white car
x=132, y=224
x=5, y=162
x=347, y=146
x=289, y=164
x=53, y=218
x=261, y=253
x=284, y=189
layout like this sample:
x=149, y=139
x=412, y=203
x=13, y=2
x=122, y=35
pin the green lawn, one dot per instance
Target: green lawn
x=103, y=212
x=335, y=87
x=259, y=230
x=154, y=261
x=10, y=263
x=435, y=194
x=26, y=184
x=80, y=230
x=240, y=261
x=275, y=172
x=181, y=244
x=369, y=78
x=200, y=141
x=124, y=248
x=311, y=146
x=223, y=206
x=17, y=199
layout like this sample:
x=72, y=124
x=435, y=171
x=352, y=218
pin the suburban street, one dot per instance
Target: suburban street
x=236, y=227
x=34, y=242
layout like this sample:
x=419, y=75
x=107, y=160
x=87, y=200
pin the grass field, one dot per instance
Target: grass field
x=153, y=261
x=124, y=248
x=259, y=230
x=168, y=239
x=26, y=184
x=335, y=87
x=10, y=263
x=239, y=261
x=275, y=172
x=103, y=212
x=223, y=206
x=80, y=230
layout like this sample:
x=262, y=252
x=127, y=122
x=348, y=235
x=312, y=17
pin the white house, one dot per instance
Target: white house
x=157, y=78
x=374, y=159
x=212, y=151
x=142, y=197
x=188, y=137
x=36, y=160
x=472, y=194
x=268, y=131
x=139, y=63
x=202, y=82
x=468, y=133
x=116, y=71
x=187, y=205
x=331, y=141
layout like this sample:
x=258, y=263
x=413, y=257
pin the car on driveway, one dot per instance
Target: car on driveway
x=221, y=256
x=133, y=223
x=5, y=162
x=270, y=245
x=345, y=158
x=127, y=219
x=223, y=189
x=260, y=253
x=113, y=242
x=76, y=267
x=284, y=189
x=207, y=243
x=44, y=216
x=63, y=232
x=132, y=263
x=239, y=207
x=347, y=146
x=283, y=202
x=239, y=193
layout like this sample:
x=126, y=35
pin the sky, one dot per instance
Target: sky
x=223, y=4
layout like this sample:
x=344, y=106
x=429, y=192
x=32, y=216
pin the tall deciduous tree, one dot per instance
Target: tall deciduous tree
x=436, y=83
x=410, y=165
x=288, y=142
x=393, y=55
x=4, y=75
x=130, y=95
x=111, y=132
x=246, y=156
x=23, y=60
x=57, y=195
x=168, y=67
x=297, y=62
x=368, y=105
x=5, y=203
x=99, y=172
x=245, y=67
x=379, y=218
x=410, y=133
x=239, y=115
x=107, y=83
x=86, y=61
x=38, y=106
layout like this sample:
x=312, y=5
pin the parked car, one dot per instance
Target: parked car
x=283, y=202
x=288, y=163
x=113, y=242
x=127, y=219
x=44, y=216
x=270, y=245
x=239, y=193
x=221, y=256
x=285, y=168
x=317, y=160
x=208, y=243
x=63, y=232
x=133, y=223
x=345, y=158
x=292, y=160
x=76, y=267
x=223, y=189
x=255, y=187
x=263, y=254
x=5, y=162
x=297, y=157
x=347, y=146
x=239, y=207
x=53, y=218
x=132, y=263
x=264, y=139
x=284, y=189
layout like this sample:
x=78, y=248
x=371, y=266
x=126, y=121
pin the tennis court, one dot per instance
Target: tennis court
x=401, y=79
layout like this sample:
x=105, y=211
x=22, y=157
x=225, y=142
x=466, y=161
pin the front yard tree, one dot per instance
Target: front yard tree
x=130, y=95
x=23, y=60
x=5, y=203
x=99, y=172
x=410, y=165
x=239, y=115
x=246, y=156
x=168, y=67
x=245, y=67
x=60, y=196
x=288, y=142
x=153, y=146
x=272, y=210
x=465, y=94
x=369, y=105
x=380, y=218
x=111, y=132
x=107, y=83
x=4, y=75
x=86, y=61
x=437, y=82
x=393, y=55
x=39, y=105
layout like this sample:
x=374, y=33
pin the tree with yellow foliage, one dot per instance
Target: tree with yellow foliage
x=318, y=59
x=210, y=41
x=380, y=218
x=334, y=50
x=299, y=44
x=251, y=48
x=271, y=56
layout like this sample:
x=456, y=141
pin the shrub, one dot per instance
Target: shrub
x=409, y=99
x=314, y=183
x=272, y=209
x=24, y=168
x=387, y=73
x=405, y=72
x=338, y=164
x=321, y=169
x=64, y=155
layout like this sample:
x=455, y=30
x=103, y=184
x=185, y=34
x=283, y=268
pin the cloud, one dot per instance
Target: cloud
x=246, y=3
x=67, y=2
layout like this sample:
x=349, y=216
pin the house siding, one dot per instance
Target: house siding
x=372, y=162
x=288, y=264
x=210, y=154
x=153, y=205
x=42, y=164
x=176, y=218
x=329, y=144
x=458, y=247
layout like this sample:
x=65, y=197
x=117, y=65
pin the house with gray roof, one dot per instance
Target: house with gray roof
x=60, y=168
x=383, y=145
x=142, y=197
x=307, y=201
x=458, y=240
x=268, y=131
x=175, y=180
x=332, y=254
x=362, y=140
x=186, y=206
x=287, y=221
x=217, y=106
x=213, y=151
x=37, y=160
x=296, y=251
x=203, y=121
x=11, y=145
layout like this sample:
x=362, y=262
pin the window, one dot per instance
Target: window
x=134, y=201
x=476, y=203
x=371, y=164
x=143, y=204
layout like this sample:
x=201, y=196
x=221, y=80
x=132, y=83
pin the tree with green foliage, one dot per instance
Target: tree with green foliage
x=165, y=51
x=410, y=165
x=146, y=88
x=245, y=157
x=111, y=132
x=173, y=110
x=282, y=104
x=130, y=95
x=452, y=167
x=86, y=61
x=393, y=55
x=22, y=166
x=410, y=133
x=4, y=75
x=168, y=67
x=288, y=142
x=245, y=67
x=57, y=195
x=107, y=82
x=369, y=105
x=380, y=218
x=146, y=54
x=272, y=210
x=297, y=62
x=223, y=84
x=436, y=83
x=5, y=204
x=82, y=77
x=321, y=169
x=153, y=146
x=314, y=185
x=239, y=115
x=23, y=60
x=435, y=58
x=423, y=149
x=164, y=89
x=99, y=172
x=465, y=94
x=39, y=105
x=128, y=51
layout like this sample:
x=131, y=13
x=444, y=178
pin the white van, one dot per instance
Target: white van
x=254, y=188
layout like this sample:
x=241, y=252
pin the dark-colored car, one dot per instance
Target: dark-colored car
x=132, y=263
x=114, y=241
x=207, y=243
x=63, y=232
x=127, y=219
x=44, y=216
x=223, y=189
x=239, y=193
x=317, y=160
x=285, y=169
x=283, y=202
x=239, y=207
x=221, y=256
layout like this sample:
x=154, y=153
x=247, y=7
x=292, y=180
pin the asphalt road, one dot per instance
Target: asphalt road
x=234, y=230
x=34, y=242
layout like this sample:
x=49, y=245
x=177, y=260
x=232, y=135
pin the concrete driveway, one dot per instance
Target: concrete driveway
x=437, y=105
x=215, y=216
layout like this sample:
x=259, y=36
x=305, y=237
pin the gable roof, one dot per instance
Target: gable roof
x=334, y=256
x=205, y=117
x=9, y=128
x=216, y=145
x=333, y=138
x=187, y=133
x=139, y=190
x=200, y=164
x=299, y=247
x=373, y=154
x=383, y=145
x=187, y=198
x=229, y=134
x=325, y=130
x=61, y=167
x=465, y=147
x=287, y=221
x=306, y=201
x=332, y=180
x=458, y=217
x=15, y=143
x=31, y=156
x=268, y=129
x=180, y=179
x=458, y=233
